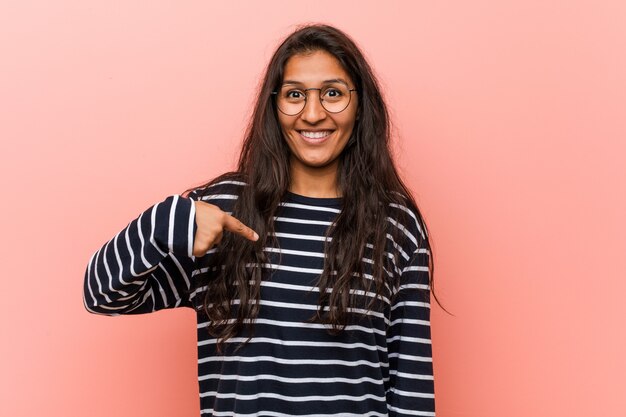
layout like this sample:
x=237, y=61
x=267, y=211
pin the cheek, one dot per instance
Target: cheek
x=348, y=124
x=350, y=118
x=283, y=121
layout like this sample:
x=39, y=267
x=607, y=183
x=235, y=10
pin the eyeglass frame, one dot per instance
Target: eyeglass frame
x=306, y=97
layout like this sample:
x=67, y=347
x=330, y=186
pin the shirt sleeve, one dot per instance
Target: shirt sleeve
x=411, y=383
x=147, y=266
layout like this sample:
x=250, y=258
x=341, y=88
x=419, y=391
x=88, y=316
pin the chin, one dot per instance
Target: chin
x=313, y=163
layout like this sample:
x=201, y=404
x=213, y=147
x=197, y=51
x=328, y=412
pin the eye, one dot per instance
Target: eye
x=332, y=93
x=294, y=94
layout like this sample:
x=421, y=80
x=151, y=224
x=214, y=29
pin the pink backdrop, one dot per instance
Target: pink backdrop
x=511, y=120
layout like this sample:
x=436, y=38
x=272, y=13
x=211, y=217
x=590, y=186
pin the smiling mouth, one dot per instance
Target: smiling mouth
x=314, y=137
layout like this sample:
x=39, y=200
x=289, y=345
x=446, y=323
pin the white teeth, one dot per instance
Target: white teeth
x=315, y=135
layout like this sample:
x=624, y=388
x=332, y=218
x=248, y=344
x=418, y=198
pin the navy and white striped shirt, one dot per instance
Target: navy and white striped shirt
x=291, y=367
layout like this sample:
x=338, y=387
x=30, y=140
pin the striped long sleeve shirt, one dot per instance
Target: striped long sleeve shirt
x=290, y=367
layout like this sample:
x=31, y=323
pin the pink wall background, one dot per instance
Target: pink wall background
x=512, y=128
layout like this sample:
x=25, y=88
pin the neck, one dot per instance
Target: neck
x=314, y=182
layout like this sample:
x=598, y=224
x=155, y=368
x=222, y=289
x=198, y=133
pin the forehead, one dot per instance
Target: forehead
x=314, y=68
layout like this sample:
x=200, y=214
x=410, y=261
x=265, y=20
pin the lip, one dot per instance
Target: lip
x=316, y=141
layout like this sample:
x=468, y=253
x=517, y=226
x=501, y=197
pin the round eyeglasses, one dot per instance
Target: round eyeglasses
x=291, y=100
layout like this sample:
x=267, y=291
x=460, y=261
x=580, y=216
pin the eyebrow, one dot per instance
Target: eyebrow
x=334, y=80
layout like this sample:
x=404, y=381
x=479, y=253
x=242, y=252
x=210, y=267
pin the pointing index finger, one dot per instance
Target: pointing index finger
x=234, y=225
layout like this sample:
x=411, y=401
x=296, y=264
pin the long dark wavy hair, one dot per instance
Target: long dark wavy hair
x=367, y=180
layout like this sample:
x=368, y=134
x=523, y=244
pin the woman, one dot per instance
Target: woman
x=309, y=267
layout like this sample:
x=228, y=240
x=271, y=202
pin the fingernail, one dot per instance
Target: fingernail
x=256, y=237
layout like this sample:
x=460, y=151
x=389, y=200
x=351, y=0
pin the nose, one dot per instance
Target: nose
x=313, y=111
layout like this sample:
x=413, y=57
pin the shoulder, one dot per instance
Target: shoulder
x=222, y=191
x=414, y=262
x=226, y=185
x=408, y=225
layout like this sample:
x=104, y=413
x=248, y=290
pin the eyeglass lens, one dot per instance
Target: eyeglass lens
x=334, y=98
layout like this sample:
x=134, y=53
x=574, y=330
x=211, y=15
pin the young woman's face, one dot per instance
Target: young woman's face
x=302, y=131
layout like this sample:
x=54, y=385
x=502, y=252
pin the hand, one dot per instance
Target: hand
x=212, y=222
